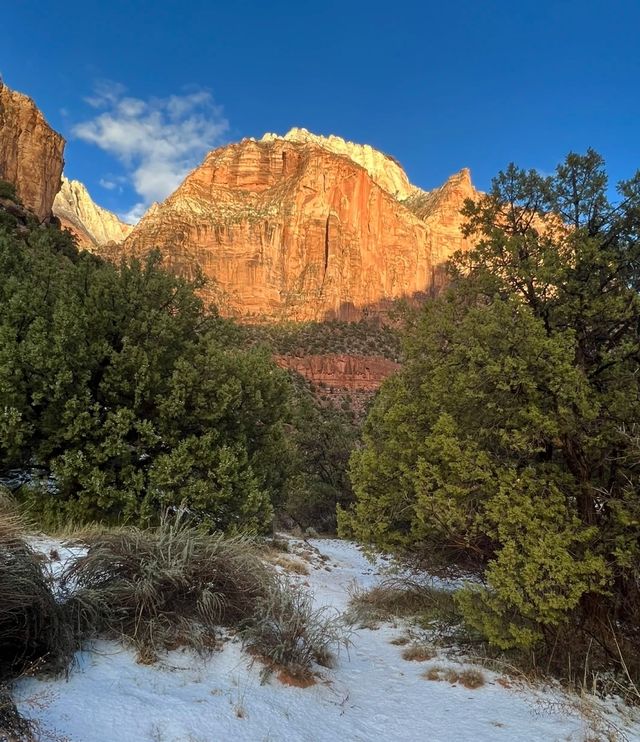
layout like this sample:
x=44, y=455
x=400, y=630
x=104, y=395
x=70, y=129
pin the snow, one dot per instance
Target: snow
x=371, y=694
x=57, y=553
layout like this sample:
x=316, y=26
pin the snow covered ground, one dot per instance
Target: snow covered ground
x=372, y=693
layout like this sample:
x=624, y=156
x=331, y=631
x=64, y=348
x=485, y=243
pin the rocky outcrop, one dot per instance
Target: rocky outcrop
x=288, y=229
x=91, y=224
x=383, y=169
x=31, y=153
x=341, y=372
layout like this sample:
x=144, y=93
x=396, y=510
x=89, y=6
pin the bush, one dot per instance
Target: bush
x=164, y=587
x=418, y=653
x=8, y=190
x=289, y=632
x=322, y=439
x=132, y=398
x=503, y=446
x=404, y=598
x=469, y=678
x=175, y=585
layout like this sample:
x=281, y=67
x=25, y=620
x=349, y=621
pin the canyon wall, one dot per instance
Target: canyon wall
x=31, y=152
x=342, y=372
x=290, y=230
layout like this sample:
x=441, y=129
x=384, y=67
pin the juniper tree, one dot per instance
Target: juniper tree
x=504, y=444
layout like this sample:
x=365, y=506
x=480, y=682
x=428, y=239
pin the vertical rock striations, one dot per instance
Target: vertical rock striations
x=288, y=228
x=31, y=153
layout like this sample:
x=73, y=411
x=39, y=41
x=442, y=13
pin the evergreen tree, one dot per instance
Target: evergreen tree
x=506, y=444
x=127, y=394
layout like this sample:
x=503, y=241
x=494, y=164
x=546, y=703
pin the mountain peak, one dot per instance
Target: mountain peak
x=91, y=224
x=383, y=169
x=302, y=227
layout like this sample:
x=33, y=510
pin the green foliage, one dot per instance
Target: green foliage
x=115, y=381
x=506, y=444
x=8, y=190
x=366, y=338
x=321, y=441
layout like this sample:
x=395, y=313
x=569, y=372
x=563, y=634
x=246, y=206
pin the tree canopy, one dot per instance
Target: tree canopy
x=507, y=445
x=126, y=395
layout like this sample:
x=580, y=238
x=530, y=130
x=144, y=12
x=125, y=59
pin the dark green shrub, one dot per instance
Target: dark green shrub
x=115, y=381
x=8, y=190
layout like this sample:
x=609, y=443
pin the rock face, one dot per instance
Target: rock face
x=341, y=372
x=92, y=225
x=31, y=153
x=290, y=229
x=383, y=169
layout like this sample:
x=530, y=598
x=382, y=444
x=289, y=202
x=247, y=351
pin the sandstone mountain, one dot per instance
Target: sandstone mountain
x=383, y=169
x=299, y=227
x=91, y=224
x=295, y=228
x=31, y=153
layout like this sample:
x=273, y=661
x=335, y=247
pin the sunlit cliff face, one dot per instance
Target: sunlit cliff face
x=31, y=153
x=288, y=228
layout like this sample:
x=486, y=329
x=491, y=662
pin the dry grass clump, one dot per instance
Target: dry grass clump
x=402, y=598
x=163, y=587
x=176, y=586
x=34, y=633
x=12, y=525
x=470, y=677
x=289, y=632
x=13, y=727
x=279, y=544
x=289, y=564
x=433, y=673
x=400, y=641
x=418, y=653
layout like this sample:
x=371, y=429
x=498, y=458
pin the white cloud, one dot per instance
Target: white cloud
x=108, y=184
x=135, y=213
x=157, y=141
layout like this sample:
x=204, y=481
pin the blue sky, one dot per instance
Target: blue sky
x=142, y=89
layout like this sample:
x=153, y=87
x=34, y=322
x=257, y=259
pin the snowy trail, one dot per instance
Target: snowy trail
x=372, y=694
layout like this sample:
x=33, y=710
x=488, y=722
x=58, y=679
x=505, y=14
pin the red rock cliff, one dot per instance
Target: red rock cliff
x=344, y=372
x=292, y=230
x=31, y=153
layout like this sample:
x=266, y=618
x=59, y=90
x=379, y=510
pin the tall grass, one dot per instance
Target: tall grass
x=404, y=598
x=287, y=630
x=175, y=585
x=34, y=632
